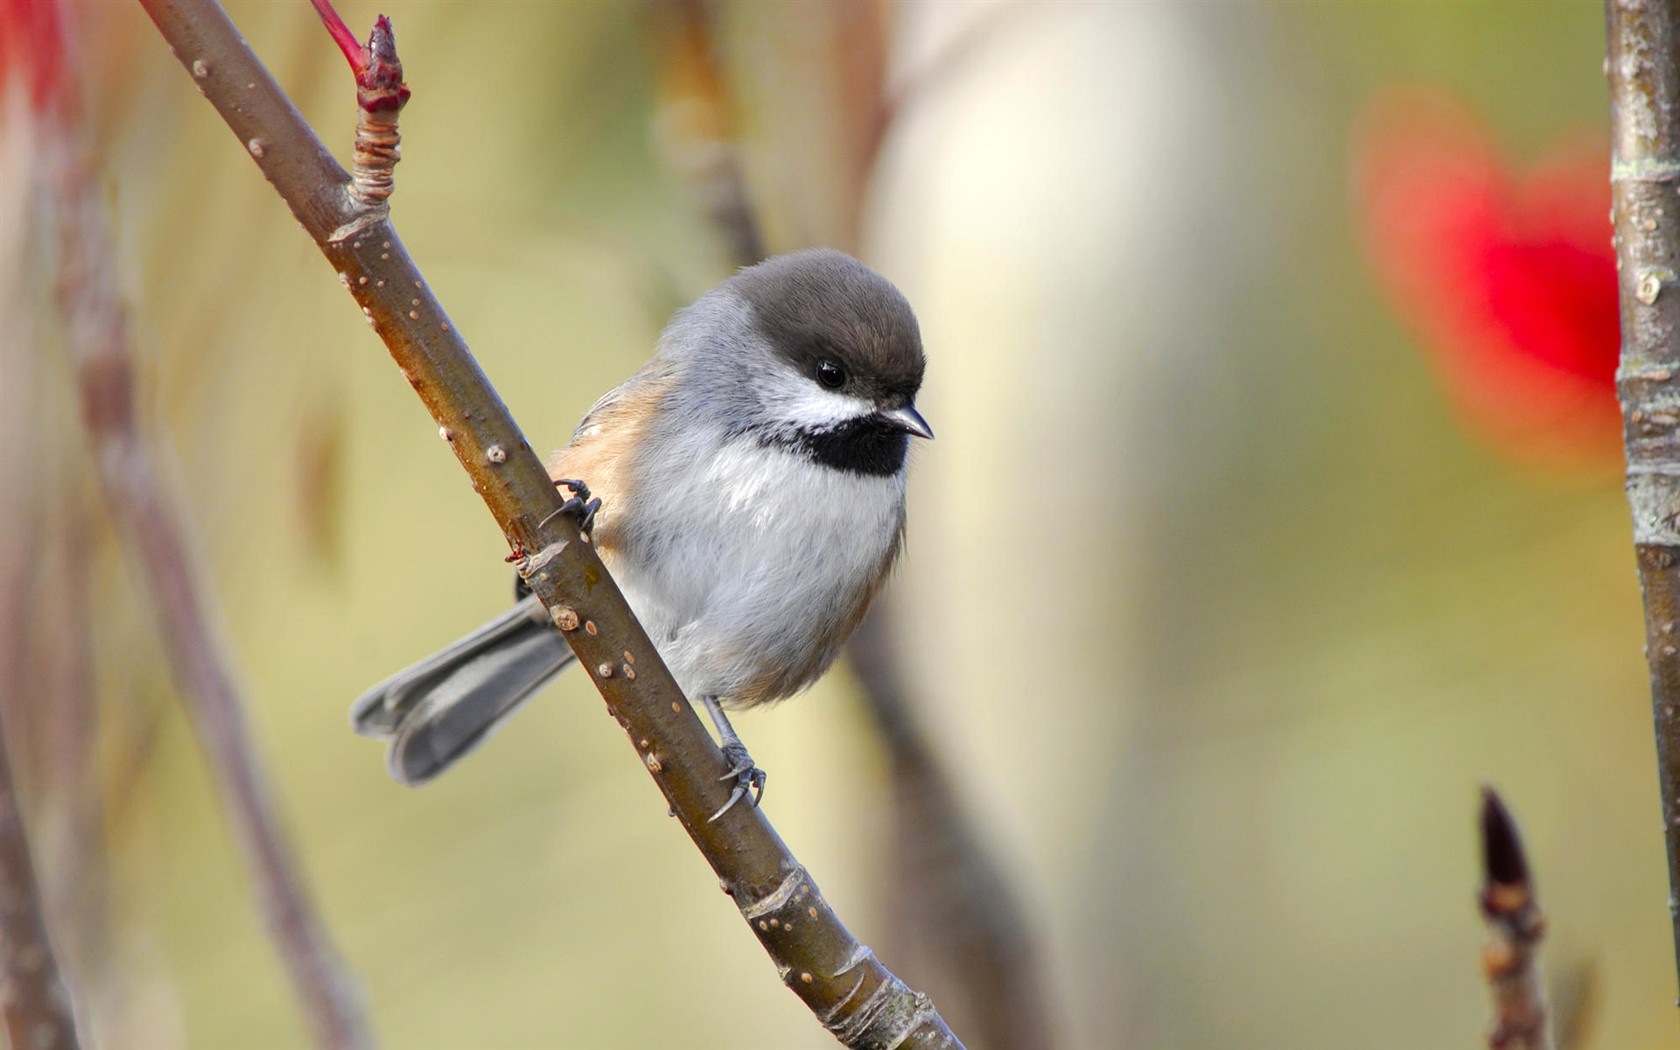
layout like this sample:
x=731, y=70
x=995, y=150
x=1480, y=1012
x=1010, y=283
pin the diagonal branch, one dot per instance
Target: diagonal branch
x=1644, y=70
x=35, y=1003
x=34, y=1000
x=840, y=980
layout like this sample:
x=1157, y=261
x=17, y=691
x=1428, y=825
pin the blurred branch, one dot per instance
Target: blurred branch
x=956, y=893
x=34, y=1000
x=48, y=801
x=890, y=105
x=35, y=1004
x=1515, y=927
x=696, y=127
x=1572, y=1000
x=840, y=980
x=1644, y=71
x=153, y=534
x=956, y=900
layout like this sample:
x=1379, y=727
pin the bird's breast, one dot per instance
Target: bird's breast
x=751, y=566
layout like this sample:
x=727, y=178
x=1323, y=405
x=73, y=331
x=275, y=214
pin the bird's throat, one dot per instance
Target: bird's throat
x=870, y=446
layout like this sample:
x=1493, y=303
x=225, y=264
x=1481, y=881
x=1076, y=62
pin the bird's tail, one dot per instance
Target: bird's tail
x=443, y=706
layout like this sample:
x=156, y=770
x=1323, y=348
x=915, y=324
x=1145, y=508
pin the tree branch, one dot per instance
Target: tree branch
x=35, y=1004
x=1515, y=927
x=840, y=980
x=696, y=125
x=34, y=1000
x=153, y=537
x=1644, y=71
x=958, y=896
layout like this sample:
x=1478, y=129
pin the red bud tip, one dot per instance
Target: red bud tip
x=381, y=78
x=382, y=43
x=1503, y=860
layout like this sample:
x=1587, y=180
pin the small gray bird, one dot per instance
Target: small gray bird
x=751, y=484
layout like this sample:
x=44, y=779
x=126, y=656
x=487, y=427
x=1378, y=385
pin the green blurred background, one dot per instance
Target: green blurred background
x=1213, y=609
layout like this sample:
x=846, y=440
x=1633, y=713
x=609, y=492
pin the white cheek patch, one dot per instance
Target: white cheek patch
x=795, y=400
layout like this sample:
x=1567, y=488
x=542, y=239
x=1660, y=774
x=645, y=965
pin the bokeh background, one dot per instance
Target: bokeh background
x=1275, y=507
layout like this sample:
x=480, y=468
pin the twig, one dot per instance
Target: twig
x=35, y=1005
x=33, y=995
x=49, y=942
x=1572, y=1002
x=380, y=96
x=956, y=893
x=890, y=105
x=841, y=981
x=1515, y=928
x=1644, y=71
x=34, y=1000
x=696, y=125
x=155, y=539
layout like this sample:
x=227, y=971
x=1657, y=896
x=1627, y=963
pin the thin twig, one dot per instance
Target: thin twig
x=696, y=125
x=154, y=536
x=35, y=1004
x=1515, y=928
x=36, y=641
x=840, y=980
x=956, y=893
x=34, y=1000
x=891, y=104
x=34, y=997
x=1644, y=70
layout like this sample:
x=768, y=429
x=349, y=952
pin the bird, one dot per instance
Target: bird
x=745, y=488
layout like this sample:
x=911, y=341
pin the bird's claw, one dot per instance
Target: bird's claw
x=581, y=506
x=747, y=777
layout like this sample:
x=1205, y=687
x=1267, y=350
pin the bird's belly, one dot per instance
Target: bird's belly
x=750, y=573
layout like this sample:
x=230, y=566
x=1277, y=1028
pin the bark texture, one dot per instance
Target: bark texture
x=1645, y=178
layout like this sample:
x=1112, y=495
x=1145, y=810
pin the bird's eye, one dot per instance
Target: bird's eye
x=831, y=375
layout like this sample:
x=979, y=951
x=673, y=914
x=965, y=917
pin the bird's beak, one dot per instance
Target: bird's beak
x=908, y=420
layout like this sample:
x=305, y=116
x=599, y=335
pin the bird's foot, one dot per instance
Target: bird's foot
x=746, y=775
x=581, y=506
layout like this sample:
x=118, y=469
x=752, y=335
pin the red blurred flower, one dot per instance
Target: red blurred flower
x=1509, y=277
